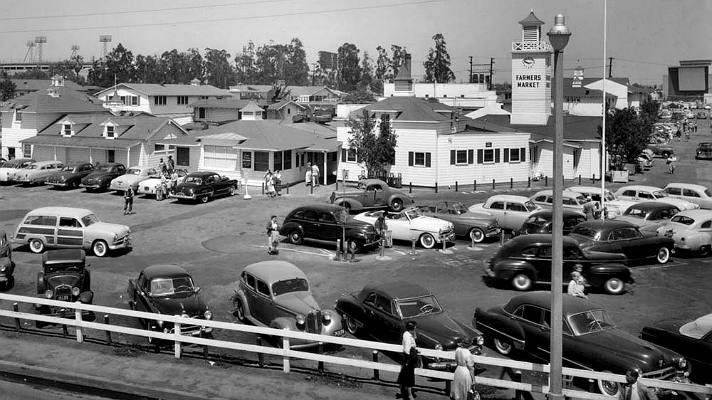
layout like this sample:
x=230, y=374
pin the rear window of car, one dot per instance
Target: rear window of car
x=585, y=231
x=683, y=219
x=41, y=220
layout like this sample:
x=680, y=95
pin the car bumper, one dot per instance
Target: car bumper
x=183, y=196
x=90, y=185
x=121, y=243
x=59, y=184
x=445, y=237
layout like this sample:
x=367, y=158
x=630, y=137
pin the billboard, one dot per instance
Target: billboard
x=692, y=78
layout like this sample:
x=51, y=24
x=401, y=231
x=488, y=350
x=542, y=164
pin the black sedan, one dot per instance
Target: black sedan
x=381, y=311
x=612, y=236
x=169, y=290
x=525, y=260
x=540, y=222
x=102, y=175
x=70, y=176
x=692, y=339
x=204, y=186
x=521, y=328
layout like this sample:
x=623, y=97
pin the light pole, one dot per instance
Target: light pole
x=558, y=37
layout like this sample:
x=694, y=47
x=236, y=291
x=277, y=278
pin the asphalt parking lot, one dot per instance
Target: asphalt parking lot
x=215, y=241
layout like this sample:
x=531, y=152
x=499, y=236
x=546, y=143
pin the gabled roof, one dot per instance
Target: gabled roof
x=251, y=88
x=283, y=103
x=169, y=89
x=251, y=107
x=306, y=90
x=226, y=103
x=412, y=109
x=68, y=101
x=32, y=85
x=588, y=81
x=576, y=128
x=531, y=20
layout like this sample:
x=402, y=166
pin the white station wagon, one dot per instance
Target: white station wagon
x=646, y=193
x=697, y=194
x=66, y=227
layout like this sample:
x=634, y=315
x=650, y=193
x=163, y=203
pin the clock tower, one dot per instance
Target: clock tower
x=531, y=75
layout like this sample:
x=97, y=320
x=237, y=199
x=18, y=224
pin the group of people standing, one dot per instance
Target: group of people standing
x=311, y=176
x=273, y=183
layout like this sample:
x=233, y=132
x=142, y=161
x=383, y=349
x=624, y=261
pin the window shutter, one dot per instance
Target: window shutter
x=506, y=155
x=480, y=156
x=522, y=156
x=427, y=159
x=410, y=158
x=343, y=155
x=496, y=155
x=470, y=156
x=452, y=157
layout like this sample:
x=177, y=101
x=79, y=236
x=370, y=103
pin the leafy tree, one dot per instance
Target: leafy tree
x=437, y=65
x=376, y=153
x=650, y=109
x=269, y=63
x=349, y=70
x=397, y=60
x=366, y=72
x=218, y=70
x=34, y=73
x=118, y=63
x=245, y=68
x=386, y=143
x=383, y=64
x=7, y=90
x=149, y=69
x=627, y=134
x=296, y=70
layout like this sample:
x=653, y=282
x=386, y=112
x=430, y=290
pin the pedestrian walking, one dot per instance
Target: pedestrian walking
x=170, y=164
x=128, y=200
x=315, y=175
x=308, y=175
x=634, y=390
x=269, y=185
x=406, y=377
x=272, y=232
x=589, y=208
x=671, y=163
x=464, y=377
x=277, y=176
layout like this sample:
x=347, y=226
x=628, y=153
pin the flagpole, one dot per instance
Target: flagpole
x=604, y=161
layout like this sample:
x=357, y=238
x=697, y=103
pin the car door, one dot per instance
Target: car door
x=262, y=305
x=70, y=232
x=384, y=319
x=310, y=223
x=632, y=243
x=249, y=284
x=399, y=225
x=221, y=184
x=496, y=208
x=328, y=227
x=143, y=287
x=572, y=256
x=535, y=321
x=514, y=215
x=376, y=194
x=541, y=262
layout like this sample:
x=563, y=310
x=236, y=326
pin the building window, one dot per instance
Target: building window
x=418, y=159
x=110, y=131
x=277, y=164
x=158, y=147
x=487, y=156
x=219, y=157
x=461, y=157
x=67, y=129
x=18, y=116
x=514, y=155
x=261, y=161
x=247, y=159
x=183, y=156
x=287, y=159
x=159, y=100
x=351, y=155
x=135, y=100
x=182, y=100
x=110, y=156
x=123, y=100
x=10, y=153
x=27, y=150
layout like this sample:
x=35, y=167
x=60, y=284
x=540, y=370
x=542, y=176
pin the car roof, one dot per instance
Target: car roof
x=371, y=181
x=163, y=271
x=571, y=304
x=640, y=187
x=698, y=328
x=398, y=289
x=61, y=211
x=606, y=224
x=565, y=192
x=202, y=173
x=77, y=163
x=274, y=270
x=652, y=205
x=586, y=189
x=46, y=162
x=508, y=197
x=16, y=161
x=686, y=185
x=319, y=207
x=696, y=214
x=536, y=238
x=63, y=256
x=567, y=213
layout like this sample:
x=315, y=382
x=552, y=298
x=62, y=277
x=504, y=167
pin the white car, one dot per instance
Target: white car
x=691, y=230
x=411, y=223
x=36, y=173
x=697, y=194
x=511, y=211
x=132, y=177
x=646, y=193
x=148, y=186
x=613, y=205
x=11, y=167
x=571, y=200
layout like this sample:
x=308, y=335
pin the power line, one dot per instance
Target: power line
x=193, y=21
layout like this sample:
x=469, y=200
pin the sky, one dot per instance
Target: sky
x=643, y=36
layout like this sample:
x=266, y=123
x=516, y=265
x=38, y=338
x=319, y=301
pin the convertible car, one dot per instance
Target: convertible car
x=613, y=236
x=521, y=328
x=381, y=311
x=411, y=223
x=475, y=226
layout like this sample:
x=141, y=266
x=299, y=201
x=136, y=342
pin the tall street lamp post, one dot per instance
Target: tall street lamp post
x=558, y=37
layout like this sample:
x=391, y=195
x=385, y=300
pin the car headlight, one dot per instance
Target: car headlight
x=208, y=314
x=3, y=268
x=480, y=340
x=48, y=293
x=326, y=318
x=439, y=347
x=300, y=320
x=75, y=291
x=681, y=363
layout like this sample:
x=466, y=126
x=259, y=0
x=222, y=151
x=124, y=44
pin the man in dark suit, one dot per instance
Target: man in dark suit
x=634, y=390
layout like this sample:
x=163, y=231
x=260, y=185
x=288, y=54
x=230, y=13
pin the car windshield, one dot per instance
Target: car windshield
x=530, y=205
x=682, y=219
x=416, y=306
x=289, y=286
x=193, y=179
x=414, y=213
x=171, y=286
x=133, y=171
x=459, y=208
x=103, y=168
x=90, y=219
x=587, y=232
x=590, y=321
x=659, y=193
x=637, y=213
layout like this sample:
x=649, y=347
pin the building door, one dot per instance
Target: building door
x=201, y=113
x=183, y=156
x=110, y=156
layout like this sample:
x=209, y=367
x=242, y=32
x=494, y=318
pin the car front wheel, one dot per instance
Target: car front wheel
x=37, y=246
x=663, y=255
x=204, y=198
x=705, y=250
x=397, y=205
x=100, y=248
x=522, y=282
x=608, y=388
x=427, y=241
x=351, y=326
x=477, y=235
x=614, y=286
x=502, y=346
x=239, y=311
x=296, y=237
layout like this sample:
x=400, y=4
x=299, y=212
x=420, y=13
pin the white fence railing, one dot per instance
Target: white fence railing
x=287, y=353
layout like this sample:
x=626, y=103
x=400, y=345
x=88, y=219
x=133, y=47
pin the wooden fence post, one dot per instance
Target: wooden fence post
x=529, y=182
x=546, y=180
x=579, y=179
x=410, y=187
x=436, y=187
x=474, y=185
x=108, y=333
x=285, y=359
x=260, y=356
x=492, y=183
x=456, y=189
x=18, y=325
x=176, y=345
x=78, y=329
x=511, y=183
x=376, y=371
x=320, y=365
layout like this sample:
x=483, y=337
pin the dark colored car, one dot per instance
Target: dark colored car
x=692, y=339
x=663, y=150
x=381, y=311
x=612, y=236
x=526, y=260
x=70, y=176
x=169, y=290
x=649, y=215
x=540, y=222
x=64, y=277
x=204, y=186
x=476, y=226
x=102, y=175
x=704, y=150
x=374, y=194
x=7, y=265
x=521, y=329
x=326, y=222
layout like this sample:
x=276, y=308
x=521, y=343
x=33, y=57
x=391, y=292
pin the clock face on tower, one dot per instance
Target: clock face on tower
x=528, y=62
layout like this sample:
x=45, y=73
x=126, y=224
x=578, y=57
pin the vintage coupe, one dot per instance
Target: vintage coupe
x=526, y=260
x=691, y=230
x=663, y=150
x=326, y=222
x=540, y=222
x=70, y=228
x=570, y=200
x=277, y=294
x=648, y=193
x=7, y=265
x=704, y=150
x=590, y=339
x=614, y=206
x=649, y=215
x=131, y=178
x=381, y=311
x=476, y=226
x=698, y=194
x=169, y=290
x=148, y=186
x=37, y=172
x=203, y=186
x=65, y=277
x=12, y=166
x=692, y=339
x=374, y=194
x=510, y=211
x=70, y=176
x=612, y=236
x=411, y=224
x=101, y=177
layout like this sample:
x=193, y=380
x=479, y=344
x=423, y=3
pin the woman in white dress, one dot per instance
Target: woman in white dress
x=464, y=373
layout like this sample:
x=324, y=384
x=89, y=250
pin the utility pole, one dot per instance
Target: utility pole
x=470, y=81
x=610, y=67
x=491, y=75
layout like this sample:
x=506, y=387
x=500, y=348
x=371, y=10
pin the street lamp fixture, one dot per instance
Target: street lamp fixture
x=558, y=37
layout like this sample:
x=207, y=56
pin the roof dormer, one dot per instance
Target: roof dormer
x=110, y=129
x=66, y=127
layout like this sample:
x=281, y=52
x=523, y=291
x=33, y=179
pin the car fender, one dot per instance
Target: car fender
x=497, y=325
x=240, y=296
x=86, y=297
x=355, y=204
x=289, y=227
x=284, y=323
x=507, y=269
x=599, y=274
x=8, y=264
x=697, y=239
x=349, y=306
x=400, y=196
